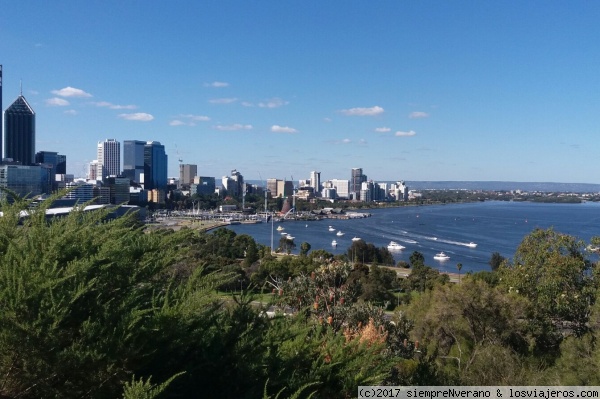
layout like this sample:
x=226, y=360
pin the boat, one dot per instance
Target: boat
x=289, y=237
x=331, y=228
x=356, y=238
x=394, y=246
x=334, y=243
x=339, y=233
x=441, y=256
x=471, y=245
x=279, y=228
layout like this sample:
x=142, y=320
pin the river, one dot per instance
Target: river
x=495, y=226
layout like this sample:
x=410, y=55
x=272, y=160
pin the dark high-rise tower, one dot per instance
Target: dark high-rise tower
x=133, y=160
x=155, y=166
x=19, y=132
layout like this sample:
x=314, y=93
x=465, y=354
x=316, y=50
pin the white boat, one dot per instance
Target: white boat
x=289, y=237
x=334, y=243
x=394, y=246
x=339, y=233
x=331, y=228
x=279, y=228
x=471, y=245
x=356, y=238
x=441, y=256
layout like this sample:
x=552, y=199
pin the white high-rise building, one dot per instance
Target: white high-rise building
x=342, y=187
x=109, y=158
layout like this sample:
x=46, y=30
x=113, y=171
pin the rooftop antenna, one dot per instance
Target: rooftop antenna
x=21, y=86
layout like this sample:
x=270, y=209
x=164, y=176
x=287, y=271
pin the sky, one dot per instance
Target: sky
x=405, y=90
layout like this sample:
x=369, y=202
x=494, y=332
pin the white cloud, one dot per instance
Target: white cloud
x=71, y=92
x=217, y=84
x=222, y=100
x=235, y=126
x=273, y=103
x=418, y=115
x=57, y=102
x=137, y=116
x=372, y=111
x=283, y=129
x=189, y=120
x=198, y=118
x=382, y=129
x=247, y=104
x=405, y=134
x=113, y=106
x=70, y=112
x=346, y=141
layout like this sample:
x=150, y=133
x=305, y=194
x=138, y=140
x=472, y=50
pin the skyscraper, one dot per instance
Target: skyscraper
x=19, y=132
x=109, y=158
x=155, y=166
x=187, y=172
x=315, y=182
x=133, y=160
x=356, y=180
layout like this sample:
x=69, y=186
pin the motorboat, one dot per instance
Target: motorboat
x=394, y=246
x=441, y=256
x=331, y=228
x=339, y=233
x=279, y=228
x=334, y=243
x=471, y=245
x=356, y=238
x=289, y=237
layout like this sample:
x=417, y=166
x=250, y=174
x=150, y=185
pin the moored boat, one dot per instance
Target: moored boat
x=394, y=246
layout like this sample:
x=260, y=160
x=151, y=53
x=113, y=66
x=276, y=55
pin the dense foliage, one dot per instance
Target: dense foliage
x=97, y=307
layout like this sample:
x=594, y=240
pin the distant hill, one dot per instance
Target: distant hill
x=505, y=185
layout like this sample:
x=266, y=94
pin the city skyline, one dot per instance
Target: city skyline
x=406, y=91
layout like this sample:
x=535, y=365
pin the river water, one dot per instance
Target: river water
x=495, y=226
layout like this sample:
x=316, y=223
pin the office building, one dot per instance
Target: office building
x=80, y=191
x=203, y=185
x=56, y=162
x=93, y=170
x=342, y=188
x=272, y=187
x=356, y=180
x=315, y=182
x=23, y=180
x=187, y=173
x=133, y=160
x=155, y=167
x=109, y=159
x=238, y=183
x=19, y=132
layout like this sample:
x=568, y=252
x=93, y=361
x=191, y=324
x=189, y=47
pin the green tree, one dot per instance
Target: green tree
x=496, y=261
x=304, y=248
x=552, y=271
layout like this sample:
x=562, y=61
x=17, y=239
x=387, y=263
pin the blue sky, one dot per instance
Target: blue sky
x=407, y=90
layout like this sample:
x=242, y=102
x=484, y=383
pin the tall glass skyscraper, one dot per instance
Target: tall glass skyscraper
x=133, y=160
x=155, y=166
x=19, y=132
